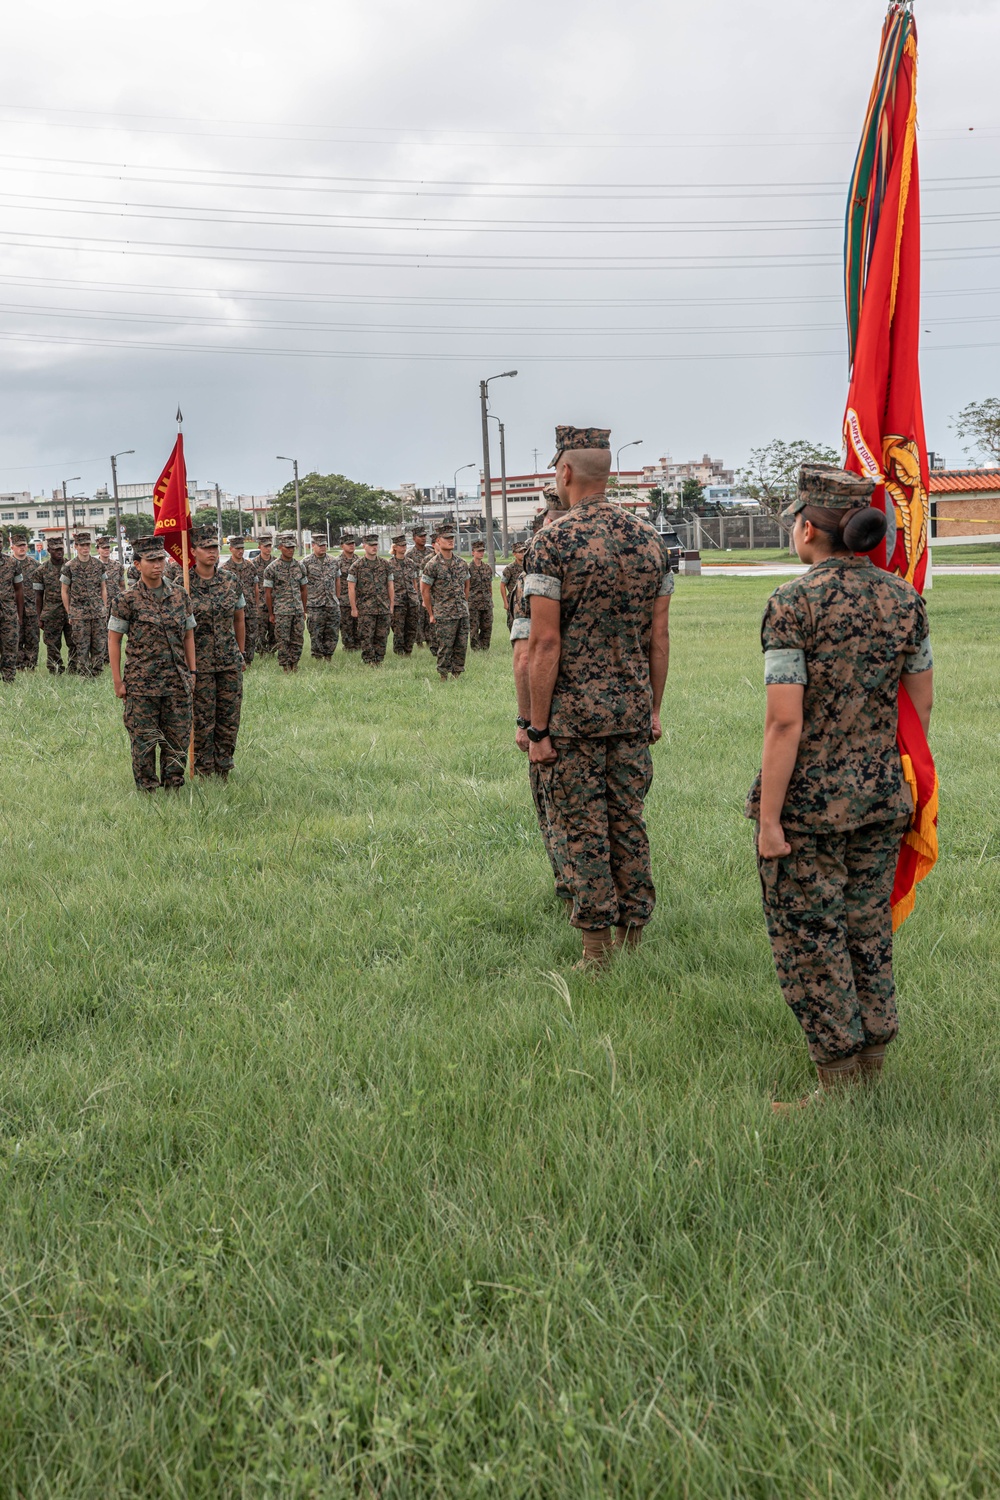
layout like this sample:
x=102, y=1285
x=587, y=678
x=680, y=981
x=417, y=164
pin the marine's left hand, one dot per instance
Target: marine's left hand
x=771, y=842
x=656, y=730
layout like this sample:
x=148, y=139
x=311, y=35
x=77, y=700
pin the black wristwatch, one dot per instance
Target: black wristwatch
x=522, y=723
x=537, y=735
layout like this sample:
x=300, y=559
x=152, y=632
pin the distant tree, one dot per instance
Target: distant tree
x=233, y=521
x=133, y=525
x=345, y=501
x=692, y=492
x=980, y=421
x=770, y=475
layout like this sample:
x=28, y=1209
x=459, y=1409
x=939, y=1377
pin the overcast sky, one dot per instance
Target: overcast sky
x=318, y=226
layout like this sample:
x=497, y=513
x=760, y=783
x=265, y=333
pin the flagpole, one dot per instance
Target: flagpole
x=185, y=565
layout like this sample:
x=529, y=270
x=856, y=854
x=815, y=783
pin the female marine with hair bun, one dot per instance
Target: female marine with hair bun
x=831, y=804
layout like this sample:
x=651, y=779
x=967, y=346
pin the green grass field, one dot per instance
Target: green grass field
x=740, y=556
x=322, y=1175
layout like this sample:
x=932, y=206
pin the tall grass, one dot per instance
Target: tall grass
x=321, y=1173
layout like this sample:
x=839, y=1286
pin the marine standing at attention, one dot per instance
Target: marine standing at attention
x=114, y=577
x=416, y=559
x=510, y=578
x=27, y=651
x=52, y=617
x=266, y=644
x=159, y=668
x=598, y=652
x=11, y=615
x=345, y=562
x=85, y=600
x=480, y=599
x=218, y=606
x=322, y=605
x=406, y=606
x=285, y=594
x=831, y=803
x=372, y=594
x=445, y=588
x=246, y=575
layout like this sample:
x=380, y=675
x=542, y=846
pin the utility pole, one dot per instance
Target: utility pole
x=534, y=453
x=503, y=487
x=218, y=509
x=484, y=389
x=114, y=485
x=66, y=509
x=298, y=515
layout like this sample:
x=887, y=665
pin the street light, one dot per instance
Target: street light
x=65, y=507
x=114, y=485
x=503, y=487
x=458, y=521
x=621, y=450
x=298, y=517
x=484, y=389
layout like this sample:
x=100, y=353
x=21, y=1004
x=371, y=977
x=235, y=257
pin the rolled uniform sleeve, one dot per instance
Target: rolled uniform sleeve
x=190, y=623
x=521, y=629
x=783, y=639
x=666, y=585
x=119, y=620
x=921, y=658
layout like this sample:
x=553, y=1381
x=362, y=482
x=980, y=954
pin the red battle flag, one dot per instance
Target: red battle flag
x=884, y=424
x=170, y=506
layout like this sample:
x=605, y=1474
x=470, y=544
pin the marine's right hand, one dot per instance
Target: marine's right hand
x=119, y=689
x=521, y=740
x=771, y=842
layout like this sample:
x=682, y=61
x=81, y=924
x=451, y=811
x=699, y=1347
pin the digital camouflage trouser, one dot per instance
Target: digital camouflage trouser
x=373, y=635
x=593, y=801
x=558, y=873
x=348, y=628
x=267, y=641
x=324, y=628
x=289, y=632
x=480, y=627
x=10, y=635
x=27, y=652
x=428, y=632
x=90, y=643
x=218, y=701
x=55, y=630
x=452, y=641
x=251, y=626
x=164, y=721
x=828, y=911
x=405, y=626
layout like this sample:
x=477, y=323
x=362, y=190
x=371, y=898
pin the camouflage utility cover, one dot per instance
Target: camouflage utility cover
x=447, y=582
x=284, y=578
x=568, y=438
x=214, y=602
x=606, y=569
x=370, y=576
x=846, y=631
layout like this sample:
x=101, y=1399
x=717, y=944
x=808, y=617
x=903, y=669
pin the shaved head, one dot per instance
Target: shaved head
x=581, y=471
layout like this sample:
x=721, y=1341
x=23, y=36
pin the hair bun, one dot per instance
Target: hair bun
x=864, y=529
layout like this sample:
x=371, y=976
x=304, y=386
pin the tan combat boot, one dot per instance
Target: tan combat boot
x=598, y=949
x=870, y=1060
x=628, y=937
x=833, y=1077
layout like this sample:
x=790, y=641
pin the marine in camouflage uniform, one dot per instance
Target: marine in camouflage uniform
x=597, y=671
x=519, y=636
x=52, y=618
x=27, y=646
x=509, y=579
x=266, y=643
x=845, y=633
x=445, y=587
x=218, y=606
x=480, y=599
x=285, y=592
x=322, y=604
x=11, y=614
x=416, y=559
x=245, y=572
x=85, y=599
x=345, y=562
x=371, y=592
x=114, y=576
x=406, y=605
x=159, y=671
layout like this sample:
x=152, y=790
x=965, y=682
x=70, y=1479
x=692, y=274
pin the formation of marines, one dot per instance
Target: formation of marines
x=587, y=601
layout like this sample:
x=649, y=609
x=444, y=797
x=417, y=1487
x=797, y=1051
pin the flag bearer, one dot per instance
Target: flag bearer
x=159, y=668
x=831, y=803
